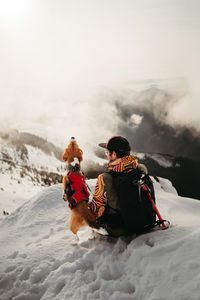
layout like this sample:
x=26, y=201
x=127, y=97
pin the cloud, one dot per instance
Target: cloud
x=157, y=131
x=70, y=68
x=143, y=112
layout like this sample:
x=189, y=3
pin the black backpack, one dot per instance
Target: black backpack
x=136, y=212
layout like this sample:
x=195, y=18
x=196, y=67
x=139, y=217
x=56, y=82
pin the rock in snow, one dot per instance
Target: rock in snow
x=39, y=259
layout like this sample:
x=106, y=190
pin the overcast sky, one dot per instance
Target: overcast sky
x=57, y=55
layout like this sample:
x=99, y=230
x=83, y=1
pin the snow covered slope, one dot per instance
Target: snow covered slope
x=39, y=260
x=25, y=168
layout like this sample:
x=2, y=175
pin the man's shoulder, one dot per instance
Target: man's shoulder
x=106, y=176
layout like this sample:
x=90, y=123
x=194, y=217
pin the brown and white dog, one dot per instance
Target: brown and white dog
x=81, y=213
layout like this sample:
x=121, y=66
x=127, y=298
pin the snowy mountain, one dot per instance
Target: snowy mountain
x=27, y=163
x=181, y=171
x=40, y=260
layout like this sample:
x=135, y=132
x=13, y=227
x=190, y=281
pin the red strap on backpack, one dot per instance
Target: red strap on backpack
x=156, y=210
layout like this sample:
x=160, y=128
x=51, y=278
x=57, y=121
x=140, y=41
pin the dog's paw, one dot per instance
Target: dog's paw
x=64, y=197
x=75, y=240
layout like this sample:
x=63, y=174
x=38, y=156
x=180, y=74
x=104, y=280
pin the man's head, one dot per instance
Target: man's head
x=117, y=147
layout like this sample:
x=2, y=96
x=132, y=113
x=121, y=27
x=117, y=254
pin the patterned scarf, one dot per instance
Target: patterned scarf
x=126, y=163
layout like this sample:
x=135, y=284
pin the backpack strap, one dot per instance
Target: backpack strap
x=113, y=201
x=111, y=215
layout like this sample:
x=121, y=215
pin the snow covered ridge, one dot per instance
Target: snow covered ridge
x=165, y=161
x=29, y=156
x=181, y=171
x=39, y=260
x=25, y=168
x=15, y=139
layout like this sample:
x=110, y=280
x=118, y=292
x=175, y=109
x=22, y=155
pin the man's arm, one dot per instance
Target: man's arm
x=99, y=199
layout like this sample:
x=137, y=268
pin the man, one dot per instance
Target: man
x=105, y=203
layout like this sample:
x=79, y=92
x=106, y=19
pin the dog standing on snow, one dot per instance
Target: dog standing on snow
x=75, y=189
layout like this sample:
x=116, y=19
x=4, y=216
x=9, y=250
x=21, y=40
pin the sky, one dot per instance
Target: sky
x=61, y=60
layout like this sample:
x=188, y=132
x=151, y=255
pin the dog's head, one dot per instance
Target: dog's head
x=73, y=154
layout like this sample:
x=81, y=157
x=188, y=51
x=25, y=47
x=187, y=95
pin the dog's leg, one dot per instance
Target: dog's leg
x=65, y=181
x=87, y=215
x=76, y=221
x=75, y=240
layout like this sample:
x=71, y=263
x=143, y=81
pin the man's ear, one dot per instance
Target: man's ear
x=114, y=155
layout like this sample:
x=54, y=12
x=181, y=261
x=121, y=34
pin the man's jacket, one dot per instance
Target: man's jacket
x=104, y=191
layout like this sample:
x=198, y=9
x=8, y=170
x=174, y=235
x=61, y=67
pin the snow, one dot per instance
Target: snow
x=20, y=178
x=139, y=155
x=159, y=158
x=40, y=259
x=39, y=160
x=15, y=190
x=35, y=158
x=162, y=161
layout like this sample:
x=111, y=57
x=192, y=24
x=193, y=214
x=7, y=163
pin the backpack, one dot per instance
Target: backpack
x=136, y=213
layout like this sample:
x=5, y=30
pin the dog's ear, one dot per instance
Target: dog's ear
x=65, y=155
x=80, y=155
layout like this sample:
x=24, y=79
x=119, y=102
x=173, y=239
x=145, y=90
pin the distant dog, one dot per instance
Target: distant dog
x=75, y=189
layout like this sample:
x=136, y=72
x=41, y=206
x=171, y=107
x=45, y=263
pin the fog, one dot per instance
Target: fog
x=92, y=69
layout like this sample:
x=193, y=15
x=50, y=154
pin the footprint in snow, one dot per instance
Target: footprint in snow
x=45, y=237
x=10, y=269
x=60, y=229
x=13, y=255
x=25, y=274
x=23, y=255
x=149, y=242
x=60, y=285
x=28, y=244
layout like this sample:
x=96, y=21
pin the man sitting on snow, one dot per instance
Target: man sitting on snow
x=105, y=203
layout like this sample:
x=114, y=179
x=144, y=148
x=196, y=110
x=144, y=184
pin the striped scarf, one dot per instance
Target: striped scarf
x=126, y=163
